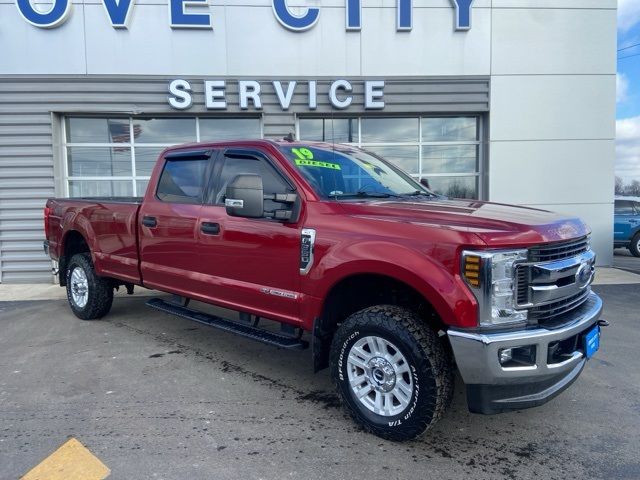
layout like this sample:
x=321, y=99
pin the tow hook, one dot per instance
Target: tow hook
x=603, y=323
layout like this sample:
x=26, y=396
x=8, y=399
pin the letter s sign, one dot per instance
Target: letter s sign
x=55, y=17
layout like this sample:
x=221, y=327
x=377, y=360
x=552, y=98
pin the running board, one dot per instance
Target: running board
x=244, y=330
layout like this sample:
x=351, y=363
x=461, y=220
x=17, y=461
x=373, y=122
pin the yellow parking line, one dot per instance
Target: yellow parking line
x=72, y=461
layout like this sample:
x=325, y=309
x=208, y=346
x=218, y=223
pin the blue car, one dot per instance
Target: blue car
x=626, y=229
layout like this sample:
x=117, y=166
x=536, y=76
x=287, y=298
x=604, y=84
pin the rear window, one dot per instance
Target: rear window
x=182, y=181
x=624, y=207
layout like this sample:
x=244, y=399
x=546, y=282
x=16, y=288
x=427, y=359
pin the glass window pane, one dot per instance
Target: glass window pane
x=624, y=207
x=338, y=130
x=450, y=159
x=449, y=129
x=182, y=181
x=218, y=129
x=382, y=130
x=164, y=130
x=97, y=130
x=100, y=188
x=403, y=157
x=455, y=187
x=146, y=158
x=141, y=187
x=312, y=129
x=99, y=161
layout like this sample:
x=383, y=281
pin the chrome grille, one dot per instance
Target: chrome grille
x=551, y=311
x=558, y=251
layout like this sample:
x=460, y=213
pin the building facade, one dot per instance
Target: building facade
x=504, y=100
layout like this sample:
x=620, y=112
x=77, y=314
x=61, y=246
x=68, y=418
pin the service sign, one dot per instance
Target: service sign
x=249, y=91
x=195, y=14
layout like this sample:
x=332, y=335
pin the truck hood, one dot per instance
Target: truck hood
x=495, y=224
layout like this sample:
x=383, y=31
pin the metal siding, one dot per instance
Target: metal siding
x=27, y=144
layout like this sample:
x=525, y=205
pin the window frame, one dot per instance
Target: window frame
x=134, y=178
x=480, y=142
x=211, y=156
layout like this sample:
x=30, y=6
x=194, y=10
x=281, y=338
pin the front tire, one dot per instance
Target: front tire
x=391, y=371
x=89, y=295
x=634, y=248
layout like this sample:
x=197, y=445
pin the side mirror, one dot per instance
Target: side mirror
x=244, y=197
x=425, y=183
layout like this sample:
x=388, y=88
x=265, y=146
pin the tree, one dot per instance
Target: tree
x=619, y=186
x=633, y=189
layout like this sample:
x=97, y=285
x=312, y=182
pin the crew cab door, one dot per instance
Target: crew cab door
x=253, y=263
x=168, y=223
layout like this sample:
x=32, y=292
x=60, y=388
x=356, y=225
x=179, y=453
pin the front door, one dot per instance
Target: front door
x=253, y=263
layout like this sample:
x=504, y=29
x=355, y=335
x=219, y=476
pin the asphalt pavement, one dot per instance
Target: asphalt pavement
x=158, y=397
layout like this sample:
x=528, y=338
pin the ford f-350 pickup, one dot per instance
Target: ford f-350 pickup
x=393, y=286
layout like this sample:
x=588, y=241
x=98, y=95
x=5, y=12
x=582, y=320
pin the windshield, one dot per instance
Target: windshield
x=350, y=172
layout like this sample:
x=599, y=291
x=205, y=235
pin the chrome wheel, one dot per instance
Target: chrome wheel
x=379, y=376
x=79, y=287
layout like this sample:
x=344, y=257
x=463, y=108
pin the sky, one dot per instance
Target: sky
x=628, y=91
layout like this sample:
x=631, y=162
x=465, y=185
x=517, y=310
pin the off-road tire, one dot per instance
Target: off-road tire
x=634, y=247
x=100, y=289
x=429, y=362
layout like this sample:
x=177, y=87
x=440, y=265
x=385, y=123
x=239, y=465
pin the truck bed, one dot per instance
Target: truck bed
x=110, y=227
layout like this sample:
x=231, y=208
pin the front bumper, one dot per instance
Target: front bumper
x=492, y=388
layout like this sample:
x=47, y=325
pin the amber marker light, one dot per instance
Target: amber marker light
x=471, y=270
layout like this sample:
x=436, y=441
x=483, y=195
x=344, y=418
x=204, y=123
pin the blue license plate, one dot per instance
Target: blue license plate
x=592, y=341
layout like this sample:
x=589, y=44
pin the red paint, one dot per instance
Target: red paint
x=416, y=242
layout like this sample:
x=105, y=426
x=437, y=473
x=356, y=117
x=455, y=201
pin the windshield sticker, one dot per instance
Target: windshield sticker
x=316, y=163
x=302, y=153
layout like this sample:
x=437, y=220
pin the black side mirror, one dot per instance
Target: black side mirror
x=244, y=196
x=425, y=183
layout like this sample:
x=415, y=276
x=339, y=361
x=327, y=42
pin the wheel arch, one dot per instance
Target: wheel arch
x=356, y=291
x=73, y=242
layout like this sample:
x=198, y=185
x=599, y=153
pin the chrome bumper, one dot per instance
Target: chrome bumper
x=492, y=388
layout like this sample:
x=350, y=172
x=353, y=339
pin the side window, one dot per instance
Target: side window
x=623, y=207
x=272, y=182
x=182, y=181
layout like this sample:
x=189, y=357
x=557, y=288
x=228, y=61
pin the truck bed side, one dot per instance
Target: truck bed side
x=108, y=225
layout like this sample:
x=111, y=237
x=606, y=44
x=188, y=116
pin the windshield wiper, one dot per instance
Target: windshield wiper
x=418, y=192
x=367, y=195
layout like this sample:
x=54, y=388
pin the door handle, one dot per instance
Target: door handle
x=149, y=222
x=210, y=228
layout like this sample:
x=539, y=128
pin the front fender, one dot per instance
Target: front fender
x=445, y=291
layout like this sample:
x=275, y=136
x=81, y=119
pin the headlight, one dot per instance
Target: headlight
x=491, y=274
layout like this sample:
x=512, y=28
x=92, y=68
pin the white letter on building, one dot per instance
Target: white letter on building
x=333, y=97
x=214, y=94
x=181, y=99
x=313, y=94
x=249, y=89
x=284, y=98
x=373, y=90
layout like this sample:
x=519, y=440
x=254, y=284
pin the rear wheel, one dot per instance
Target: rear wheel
x=634, y=248
x=89, y=295
x=391, y=371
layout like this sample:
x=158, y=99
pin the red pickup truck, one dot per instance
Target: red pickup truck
x=393, y=286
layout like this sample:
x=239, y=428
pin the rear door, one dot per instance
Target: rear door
x=168, y=223
x=252, y=264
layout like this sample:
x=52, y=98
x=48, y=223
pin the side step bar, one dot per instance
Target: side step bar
x=244, y=330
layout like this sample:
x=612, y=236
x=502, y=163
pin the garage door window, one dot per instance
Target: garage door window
x=445, y=150
x=115, y=156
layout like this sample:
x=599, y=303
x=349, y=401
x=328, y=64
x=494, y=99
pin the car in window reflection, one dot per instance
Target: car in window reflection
x=626, y=228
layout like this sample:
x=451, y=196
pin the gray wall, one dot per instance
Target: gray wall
x=31, y=106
